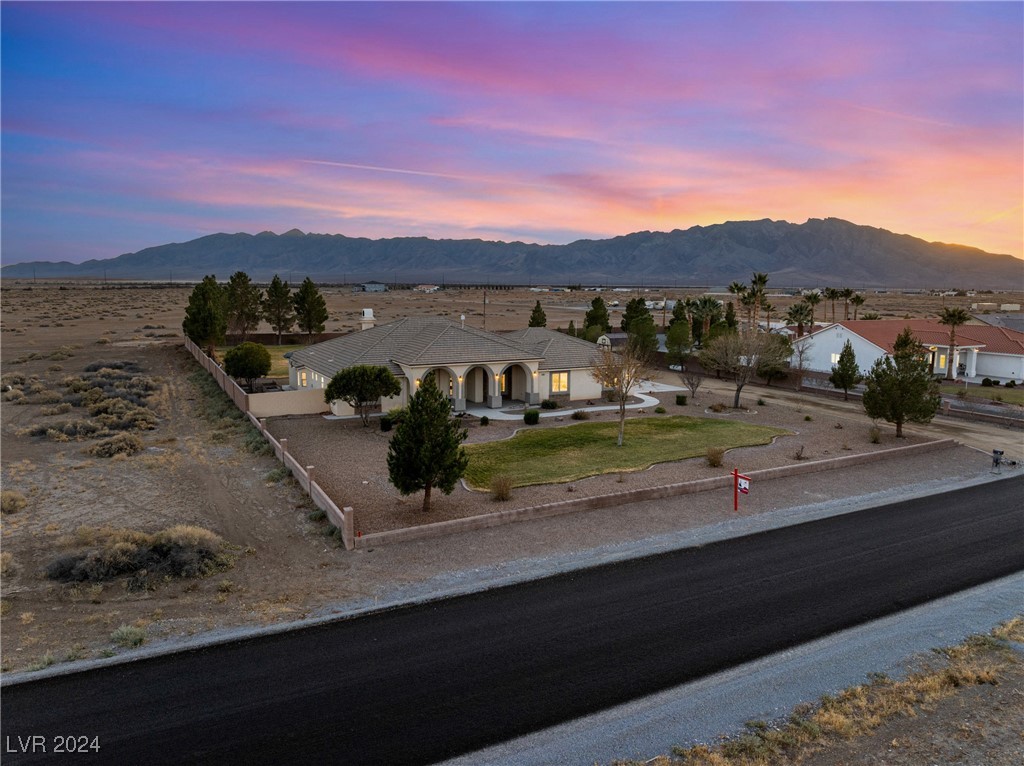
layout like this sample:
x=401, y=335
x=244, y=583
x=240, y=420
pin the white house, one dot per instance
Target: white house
x=474, y=366
x=981, y=351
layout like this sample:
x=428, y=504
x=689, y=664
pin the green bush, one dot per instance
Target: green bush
x=1011, y=384
x=385, y=423
x=660, y=410
x=549, y=404
x=254, y=442
x=808, y=418
x=128, y=636
x=986, y=382
x=484, y=420
x=681, y=400
x=277, y=475
x=531, y=417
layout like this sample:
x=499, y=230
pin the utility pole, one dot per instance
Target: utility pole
x=485, y=308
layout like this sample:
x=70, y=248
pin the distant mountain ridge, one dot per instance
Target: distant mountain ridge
x=819, y=252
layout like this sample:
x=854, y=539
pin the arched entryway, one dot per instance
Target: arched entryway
x=446, y=381
x=515, y=383
x=476, y=386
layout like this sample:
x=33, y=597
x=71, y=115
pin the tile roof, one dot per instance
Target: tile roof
x=883, y=332
x=557, y=350
x=414, y=341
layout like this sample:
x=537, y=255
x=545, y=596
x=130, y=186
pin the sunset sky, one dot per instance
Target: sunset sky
x=130, y=125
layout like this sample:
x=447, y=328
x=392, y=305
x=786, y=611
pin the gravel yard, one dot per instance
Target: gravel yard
x=350, y=460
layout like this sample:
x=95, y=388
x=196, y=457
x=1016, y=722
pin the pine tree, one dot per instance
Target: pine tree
x=572, y=328
x=678, y=313
x=426, y=450
x=538, y=318
x=310, y=309
x=635, y=309
x=677, y=343
x=205, y=322
x=846, y=373
x=900, y=388
x=243, y=304
x=597, y=316
x=277, y=307
x=643, y=336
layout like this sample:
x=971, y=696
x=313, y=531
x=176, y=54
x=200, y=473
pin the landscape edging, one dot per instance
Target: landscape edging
x=488, y=520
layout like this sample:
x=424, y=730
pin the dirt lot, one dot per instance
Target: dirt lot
x=197, y=471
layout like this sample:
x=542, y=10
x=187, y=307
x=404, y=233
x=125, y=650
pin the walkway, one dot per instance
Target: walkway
x=479, y=410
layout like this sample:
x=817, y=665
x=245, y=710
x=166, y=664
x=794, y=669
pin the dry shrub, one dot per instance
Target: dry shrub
x=12, y=501
x=12, y=379
x=715, y=456
x=179, y=551
x=15, y=396
x=501, y=487
x=6, y=563
x=718, y=407
x=121, y=444
x=128, y=636
x=57, y=409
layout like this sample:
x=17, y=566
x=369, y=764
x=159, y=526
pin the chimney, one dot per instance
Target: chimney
x=366, y=320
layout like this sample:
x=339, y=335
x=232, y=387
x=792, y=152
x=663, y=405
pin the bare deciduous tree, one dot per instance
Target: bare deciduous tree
x=741, y=355
x=620, y=372
x=692, y=379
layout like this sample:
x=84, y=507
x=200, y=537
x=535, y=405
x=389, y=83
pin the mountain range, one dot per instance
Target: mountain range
x=819, y=252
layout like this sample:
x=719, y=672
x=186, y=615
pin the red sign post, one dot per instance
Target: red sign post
x=740, y=483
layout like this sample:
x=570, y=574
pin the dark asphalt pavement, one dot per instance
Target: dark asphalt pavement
x=424, y=683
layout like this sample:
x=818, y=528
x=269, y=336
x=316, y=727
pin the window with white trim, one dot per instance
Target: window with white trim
x=835, y=358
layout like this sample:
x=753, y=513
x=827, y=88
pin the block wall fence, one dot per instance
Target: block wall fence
x=344, y=518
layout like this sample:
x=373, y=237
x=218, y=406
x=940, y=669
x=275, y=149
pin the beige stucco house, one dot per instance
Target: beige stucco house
x=474, y=366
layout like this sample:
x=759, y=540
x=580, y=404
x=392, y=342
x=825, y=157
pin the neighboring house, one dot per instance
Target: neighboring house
x=474, y=366
x=982, y=351
x=374, y=287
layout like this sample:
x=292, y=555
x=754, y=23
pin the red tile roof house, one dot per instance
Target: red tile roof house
x=981, y=351
x=474, y=366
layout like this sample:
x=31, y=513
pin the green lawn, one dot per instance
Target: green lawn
x=278, y=364
x=1013, y=395
x=553, y=455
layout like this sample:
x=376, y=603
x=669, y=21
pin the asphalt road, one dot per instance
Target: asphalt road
x=424, y=683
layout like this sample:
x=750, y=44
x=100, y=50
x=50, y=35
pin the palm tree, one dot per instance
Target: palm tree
x=708, y=310
x=846, y=294
x=813, y=298
x=758, y=285
x=800, y=314
x=832, y=295
x=857, y=300
x=739, y=290
x=953, y=318
x=769, y=309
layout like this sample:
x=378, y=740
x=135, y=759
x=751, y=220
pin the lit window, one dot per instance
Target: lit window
x=559, y=382
x=835, y=358
x=302, y=378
